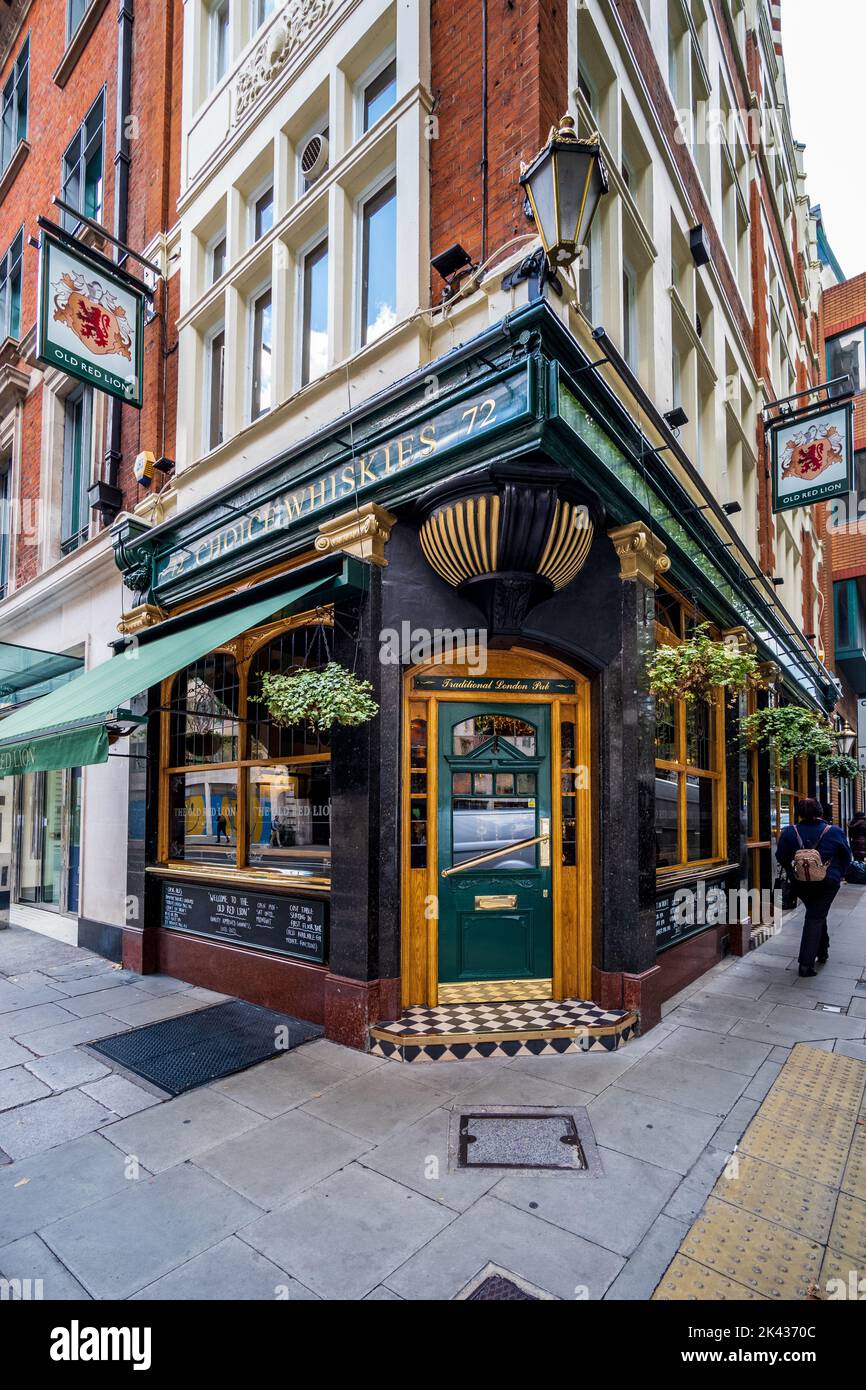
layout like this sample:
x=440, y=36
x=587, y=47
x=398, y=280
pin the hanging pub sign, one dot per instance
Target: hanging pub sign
x=812, y=456
x=91, y=318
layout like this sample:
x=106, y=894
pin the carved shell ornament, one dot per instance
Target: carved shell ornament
x=289, y=32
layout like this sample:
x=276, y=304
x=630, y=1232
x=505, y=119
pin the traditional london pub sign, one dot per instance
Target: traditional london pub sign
x=812, y=456
x=90, y=319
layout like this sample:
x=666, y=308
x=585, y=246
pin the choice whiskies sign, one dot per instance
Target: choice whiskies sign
x=90, y=319
x=370, y=468
x=812, y=456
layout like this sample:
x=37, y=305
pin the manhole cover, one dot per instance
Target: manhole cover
x=493, y=1284
x=528, y=1138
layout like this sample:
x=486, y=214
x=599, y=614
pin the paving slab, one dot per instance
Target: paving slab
x=12, y=1025
x=695, y=1085
x=12, y=1054
x=229, y=1271
x=375, y=1104
x=13, y=997
x=61, y=1036
x=161, y=984
x=37, y=1191
x=591, y=1072
x=30, y=1259
x=61, y=1070
x=511, y=1087
x=649, y=1262
x=650, y=1129
x=154, y=1009
x=763, y=1079
x=93, y=982
x=18, y=1086
x=105, y=1001
x=786, y=1026
x=43, y=1124
x=418, y=1158
x=179, y=1129
x=342, y=1237
x=348, y=1060
x=120, y=1095
x=804, y=993
x=731, y=1054
x=282, y=1083
x=271, y=1163
x=119, y=1245
x=614, y=1208
x=744, y=985
x=562, y=1264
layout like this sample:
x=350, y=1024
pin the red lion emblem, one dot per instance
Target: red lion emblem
x=810, y=452
x=92, y=312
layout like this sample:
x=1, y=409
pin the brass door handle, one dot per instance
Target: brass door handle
x=494, y=854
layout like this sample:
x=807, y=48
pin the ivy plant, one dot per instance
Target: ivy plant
x=693, y=669
x=321, y=698
x=792, y=731
x=840, y=765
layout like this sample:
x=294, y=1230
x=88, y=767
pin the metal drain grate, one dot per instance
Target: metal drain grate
x=530, y=1138
x=493, y=1284
x=179, y=1054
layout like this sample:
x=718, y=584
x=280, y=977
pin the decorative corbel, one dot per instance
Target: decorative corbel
x=742, y=637
x=768, y=673
x=362, y=532
x=641, y=554
x=143, y=615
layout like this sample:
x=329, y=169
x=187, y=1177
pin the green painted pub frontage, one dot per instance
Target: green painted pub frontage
x=498, y=557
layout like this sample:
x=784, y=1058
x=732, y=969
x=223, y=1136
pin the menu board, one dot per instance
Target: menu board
x=269, y=922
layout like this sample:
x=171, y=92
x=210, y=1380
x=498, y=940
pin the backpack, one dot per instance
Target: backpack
x=807, y=864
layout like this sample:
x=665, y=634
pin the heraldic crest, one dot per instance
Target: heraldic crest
x=811, y=451
x=93, y=313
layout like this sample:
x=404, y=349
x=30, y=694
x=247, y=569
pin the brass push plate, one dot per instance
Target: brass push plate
x=488, y=902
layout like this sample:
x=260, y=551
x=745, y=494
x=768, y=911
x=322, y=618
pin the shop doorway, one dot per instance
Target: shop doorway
x=497, y=832
x=495, y=900
x=48, y=840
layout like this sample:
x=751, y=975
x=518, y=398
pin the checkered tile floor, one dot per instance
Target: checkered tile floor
x=514, y=1016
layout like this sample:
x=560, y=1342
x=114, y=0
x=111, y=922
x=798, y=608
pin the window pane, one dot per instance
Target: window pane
x=699, y=817
x=566, y=743
x=379, y=272
x=667, y=850
x=700, y=726
x=314, y=350
x=261, y=364
x=75, y=518
x=216, y=366
x=264, y=213
x=217, y=260
x=74, y=15
x=569, y=832
x=381, y=94
x=472, y=733
x=203, y=816
x=303, y=646
x=666, y=740
x=204, y=704
x=482, y=825
x=290, y=818
x=5, y=521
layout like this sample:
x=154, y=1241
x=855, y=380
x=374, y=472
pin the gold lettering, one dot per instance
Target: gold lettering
x=347, y=478
x=294, y=507
x=405, y=450
x=428, y=439
x=366, y=475
x=313, y=490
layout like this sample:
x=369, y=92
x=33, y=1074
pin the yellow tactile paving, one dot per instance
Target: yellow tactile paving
x=685, y=1279
x=848, y=1232
x=799, y=1204
x=796, y=1152
x=787, y=1219
x=753, y=1252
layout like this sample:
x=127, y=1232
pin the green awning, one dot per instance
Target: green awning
x=69, y=727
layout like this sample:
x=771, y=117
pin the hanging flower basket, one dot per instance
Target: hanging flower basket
x=697, y=667
x=792, y=731
x=321, y=698
x=840, y=765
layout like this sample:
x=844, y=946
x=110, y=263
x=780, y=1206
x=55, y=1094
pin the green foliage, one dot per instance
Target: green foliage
x=321, y=698
x=840, y=765
x=698, y=666
x=792, y=731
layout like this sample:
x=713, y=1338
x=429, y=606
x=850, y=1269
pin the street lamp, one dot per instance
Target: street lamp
x=845, y=740
x=564, y=184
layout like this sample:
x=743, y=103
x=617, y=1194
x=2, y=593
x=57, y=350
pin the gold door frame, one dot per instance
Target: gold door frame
x=572, y=885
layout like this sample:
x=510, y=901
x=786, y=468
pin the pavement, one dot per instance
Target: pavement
x=324, y=1173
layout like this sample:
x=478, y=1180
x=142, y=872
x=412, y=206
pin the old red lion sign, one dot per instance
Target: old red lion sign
x=810, y=452
x=93, y=314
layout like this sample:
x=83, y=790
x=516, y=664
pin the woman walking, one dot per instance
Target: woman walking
x=816, y=854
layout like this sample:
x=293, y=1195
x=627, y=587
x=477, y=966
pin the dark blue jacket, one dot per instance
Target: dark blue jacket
x=833, y=849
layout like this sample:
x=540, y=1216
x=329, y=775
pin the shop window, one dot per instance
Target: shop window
x=314, y=312
x=379, y=95
x=243, y=792
x=690, y=780
x=77, y=450
x=260, y=359
x=379, y=263
x=81, y=175
x=10, y=289
x=15, y=104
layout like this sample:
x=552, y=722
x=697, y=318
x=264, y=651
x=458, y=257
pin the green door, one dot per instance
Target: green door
x=495, y=917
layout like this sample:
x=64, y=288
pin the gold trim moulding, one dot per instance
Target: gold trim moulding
x=229, y=878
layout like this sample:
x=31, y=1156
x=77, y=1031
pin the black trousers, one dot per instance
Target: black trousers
x=817, y=899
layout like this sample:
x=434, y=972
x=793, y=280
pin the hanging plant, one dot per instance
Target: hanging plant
x=792, y=731
x=696, y=667
x=840, y=765
x=320, y=697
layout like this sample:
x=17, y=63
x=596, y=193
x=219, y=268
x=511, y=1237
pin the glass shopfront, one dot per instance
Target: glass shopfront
x=47, y=839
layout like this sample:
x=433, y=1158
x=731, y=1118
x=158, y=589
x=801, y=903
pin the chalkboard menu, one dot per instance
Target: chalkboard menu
x=270, y=922
x=688, y=909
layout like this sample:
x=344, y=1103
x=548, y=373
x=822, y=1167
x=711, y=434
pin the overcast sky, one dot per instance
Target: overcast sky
x=824, y=46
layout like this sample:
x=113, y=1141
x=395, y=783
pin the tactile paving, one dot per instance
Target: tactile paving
x=686, y=1279
x=795, y=1152
x=753, y=1252
x=817, y=1118
x=848, y=1232
x=799, y=1204
x=854, y=1178
x=818, y=1086
x=841, y=1268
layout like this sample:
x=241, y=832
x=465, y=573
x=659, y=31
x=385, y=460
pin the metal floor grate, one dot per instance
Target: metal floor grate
x=179, y=1054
